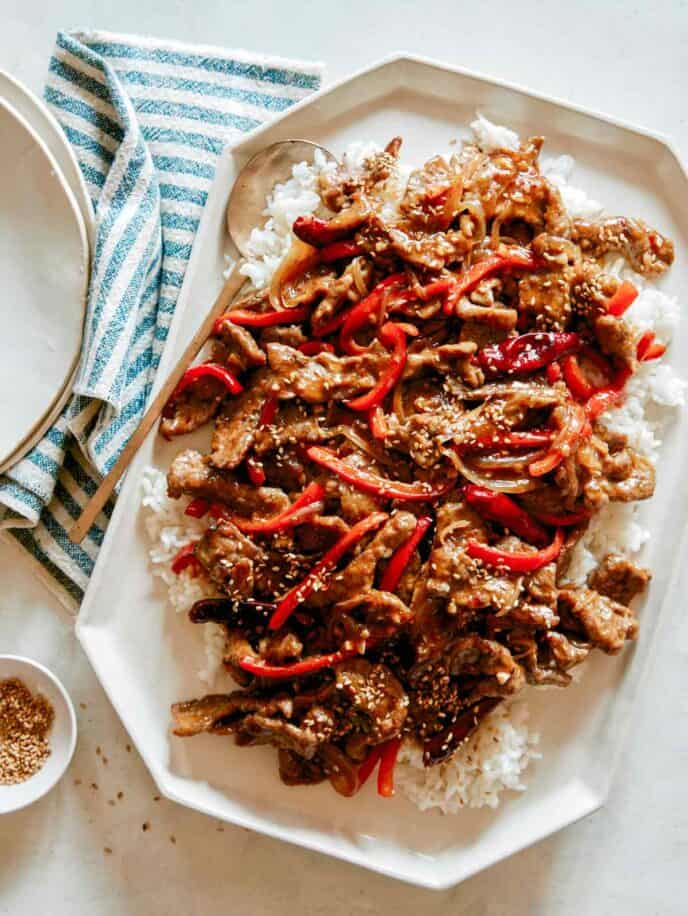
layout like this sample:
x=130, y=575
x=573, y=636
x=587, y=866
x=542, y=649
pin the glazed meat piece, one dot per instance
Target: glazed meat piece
x=644, y=248
x=616, y=338
x=237, y=424
x=192, y=408
x=490, y=664
x=357, y=577
x=191, y=475
x=619, y=579
x=242, y=569
x=216, y=711
x=375, y=696
x=370, y=615
x=240, y=349
x=604, y=623
x=326, y=377
x=295, y=770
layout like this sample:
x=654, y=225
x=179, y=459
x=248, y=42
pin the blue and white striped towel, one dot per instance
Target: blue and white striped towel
x=147, y=120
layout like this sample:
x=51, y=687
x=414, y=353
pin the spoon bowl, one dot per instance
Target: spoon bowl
x=246, y=204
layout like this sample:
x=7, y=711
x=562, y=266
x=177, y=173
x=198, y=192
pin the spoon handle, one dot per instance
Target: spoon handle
x=80, y=528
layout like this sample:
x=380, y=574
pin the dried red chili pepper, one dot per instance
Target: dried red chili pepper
x=527, y=352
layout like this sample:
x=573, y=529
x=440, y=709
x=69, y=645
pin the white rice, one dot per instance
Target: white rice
x=169, y=529
x=495, y=758
x=492, y=760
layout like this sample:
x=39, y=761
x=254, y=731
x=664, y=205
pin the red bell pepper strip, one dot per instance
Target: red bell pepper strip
x=401, y=557
x=563, y=521
x=601, y=401
x=368, y=482
x=553, y=373
x=268, y=410
x=527, y=352
x=648, y=348
x=368, y=312
x=393, y=336
x=368, y=765
x=197, y=508
x=622, y=299
x=575, y=379
x=247, y=319
x=297, y=669
x=313, y=347
x=317, y=578
x=385, y=773
x=337, y=251
x=512, y=440
x=517, y=258
x=185, y=558
x=289, y=517
x=500, y=508
x=255, y=471
x=516, y=561
x=377, y=423
x=562, y=443
x=207, y=370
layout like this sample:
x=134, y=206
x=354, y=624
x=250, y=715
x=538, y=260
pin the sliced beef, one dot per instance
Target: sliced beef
x=191, y=409
x=325, y=377
x=370, y=615
x=358, y=575
x=295, y=770
x=488, y=664
x=374, y=695
x=242, y=569
x=191, y=475
x=241, y=351
x=619, y=579
x=647, y=251
x=604, y=623
x=237, y=425
x=616, y=338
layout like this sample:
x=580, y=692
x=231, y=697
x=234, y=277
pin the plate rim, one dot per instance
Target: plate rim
x=30, y=102
x=41, y=424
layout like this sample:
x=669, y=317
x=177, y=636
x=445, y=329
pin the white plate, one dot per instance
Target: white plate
x=61, y=738
x=44, y=258
x=146, y=658
x=39, y=117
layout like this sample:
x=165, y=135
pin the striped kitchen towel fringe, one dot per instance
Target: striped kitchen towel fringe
x=147, y=120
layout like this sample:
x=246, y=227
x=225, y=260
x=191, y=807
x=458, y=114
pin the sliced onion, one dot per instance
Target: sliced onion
x=475, y=209
x=398, y=402
x=504, y=462
x=300, y=258
x=364, y=445
x=500, y=485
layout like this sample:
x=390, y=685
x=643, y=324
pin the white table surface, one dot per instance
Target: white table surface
x=627, y=58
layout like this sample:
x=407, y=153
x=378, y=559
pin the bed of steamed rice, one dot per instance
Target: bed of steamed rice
x=495, y=758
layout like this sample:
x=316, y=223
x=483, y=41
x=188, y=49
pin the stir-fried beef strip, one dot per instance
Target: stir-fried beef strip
x=413, y=447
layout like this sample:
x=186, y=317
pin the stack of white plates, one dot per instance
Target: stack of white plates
x=46, y=231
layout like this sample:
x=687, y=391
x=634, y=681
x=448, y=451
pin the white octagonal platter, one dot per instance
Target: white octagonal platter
x=146, y=658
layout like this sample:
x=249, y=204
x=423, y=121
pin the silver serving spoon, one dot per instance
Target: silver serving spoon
x=272, y=165
x=244, y=212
